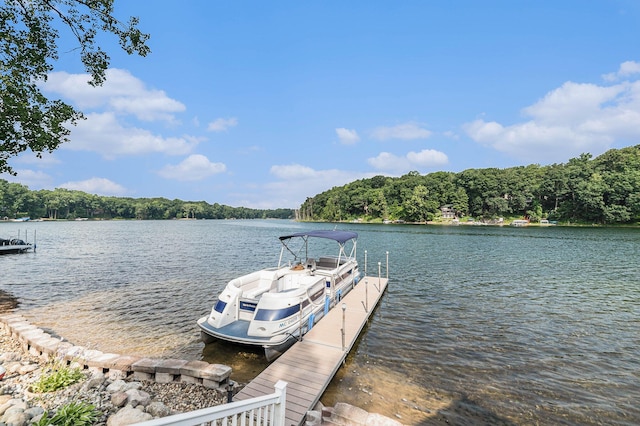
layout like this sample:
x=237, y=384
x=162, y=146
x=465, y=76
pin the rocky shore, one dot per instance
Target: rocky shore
x=120, y=402
x=123, y=390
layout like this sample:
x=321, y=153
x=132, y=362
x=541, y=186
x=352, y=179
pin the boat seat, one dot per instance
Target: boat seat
x=255, y=293
x=327, y=263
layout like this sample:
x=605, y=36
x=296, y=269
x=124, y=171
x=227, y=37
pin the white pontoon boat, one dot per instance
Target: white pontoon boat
x=14, y=245
x=274, y=307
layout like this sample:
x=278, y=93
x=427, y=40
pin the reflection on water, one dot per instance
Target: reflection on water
x=479, y=325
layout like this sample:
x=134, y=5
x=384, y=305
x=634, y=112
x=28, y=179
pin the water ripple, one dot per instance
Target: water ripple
x=484, y=325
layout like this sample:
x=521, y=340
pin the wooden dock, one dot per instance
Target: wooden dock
x=309, y=366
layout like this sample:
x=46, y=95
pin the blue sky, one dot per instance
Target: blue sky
x=263, y=104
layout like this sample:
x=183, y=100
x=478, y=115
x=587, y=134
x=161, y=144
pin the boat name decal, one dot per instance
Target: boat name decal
x=248, y=306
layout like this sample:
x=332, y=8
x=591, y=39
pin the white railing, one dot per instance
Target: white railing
x=267, y=410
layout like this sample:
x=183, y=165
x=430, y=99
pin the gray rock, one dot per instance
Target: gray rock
x=117, y=386
x=94, y=382
x=10, y=403
x=12, y=367
x=119, y=399
x=138, y=397
x=18, y=408
x=18, y=418
x=128, y=416
x=10, y=356
x=36, y=419
x=34, y=412
x=28, y=368
x=131, y=385
x=158, y=409
x=375, y=419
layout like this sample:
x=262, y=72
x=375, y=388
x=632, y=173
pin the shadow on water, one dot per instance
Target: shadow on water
x=245, y=362
x=8, y=302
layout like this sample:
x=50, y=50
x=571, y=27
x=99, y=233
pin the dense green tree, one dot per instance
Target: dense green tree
x=554, y=186
x=459, y=201
x=16, y=200
x=601, y=190
x=28, y=49
x=419, y=207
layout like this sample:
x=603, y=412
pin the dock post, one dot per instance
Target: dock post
x=387, y=265
x=366, y=295
x=300, y=326
x=379, y=276
x=344, y=309
x=365, y=263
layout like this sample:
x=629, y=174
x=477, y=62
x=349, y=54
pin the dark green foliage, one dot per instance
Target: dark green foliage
x=604, y=190
x=17, y=201
x=72, y=414
x=58, y=377
x=28, y=49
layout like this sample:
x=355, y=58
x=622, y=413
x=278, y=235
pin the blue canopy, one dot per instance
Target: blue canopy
x=339, y=236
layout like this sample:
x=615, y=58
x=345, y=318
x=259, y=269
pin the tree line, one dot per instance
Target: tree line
x=17, y=200
x=602, y=190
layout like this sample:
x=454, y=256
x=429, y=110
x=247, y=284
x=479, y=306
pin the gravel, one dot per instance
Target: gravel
x=158, y=399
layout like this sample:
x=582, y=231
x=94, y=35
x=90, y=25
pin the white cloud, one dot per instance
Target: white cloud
x=222, y=124
x=95, y=185
x=121, y=93
x=104, y=134
x=406, y=131
x=30, y=178
x=347, y=136
x=193, y=168
x=451, y=135
x=626, y=69
x=46, y=159
x=427, y=158
x=389, y=162
x=570, y=120
x=296, y=182
x=294, y=171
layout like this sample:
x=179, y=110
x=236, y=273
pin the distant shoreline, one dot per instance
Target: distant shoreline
x=507, y=223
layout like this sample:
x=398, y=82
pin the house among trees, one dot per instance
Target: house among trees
x=448, y=212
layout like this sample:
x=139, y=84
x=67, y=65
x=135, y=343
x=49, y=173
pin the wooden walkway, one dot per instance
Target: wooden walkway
x=309, y=366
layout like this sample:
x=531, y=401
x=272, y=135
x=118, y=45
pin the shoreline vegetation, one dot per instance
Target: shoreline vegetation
x=602, y=191
x=465, y=221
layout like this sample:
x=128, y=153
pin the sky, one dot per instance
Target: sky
x=263, y=104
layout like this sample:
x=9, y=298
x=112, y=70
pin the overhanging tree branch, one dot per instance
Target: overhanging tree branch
x=28, y=49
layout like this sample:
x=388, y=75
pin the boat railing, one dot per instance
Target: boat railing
x=267, y=410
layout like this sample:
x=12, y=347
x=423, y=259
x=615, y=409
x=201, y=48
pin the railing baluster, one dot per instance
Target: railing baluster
x=268, y=410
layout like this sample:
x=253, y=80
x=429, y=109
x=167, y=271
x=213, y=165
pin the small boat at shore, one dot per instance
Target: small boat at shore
x=273, y=307
x=13, y=246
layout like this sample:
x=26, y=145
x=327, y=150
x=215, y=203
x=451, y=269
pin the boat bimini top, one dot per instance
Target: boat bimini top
x=341, y=237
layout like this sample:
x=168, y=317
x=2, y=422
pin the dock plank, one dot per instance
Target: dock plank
x=309, y=366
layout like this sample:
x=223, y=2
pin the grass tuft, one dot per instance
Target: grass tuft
x=72, y=414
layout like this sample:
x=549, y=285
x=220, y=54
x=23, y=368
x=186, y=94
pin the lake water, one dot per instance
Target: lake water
x=479, y=324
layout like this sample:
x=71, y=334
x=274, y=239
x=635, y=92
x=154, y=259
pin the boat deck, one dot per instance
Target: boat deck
x=309, y=366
